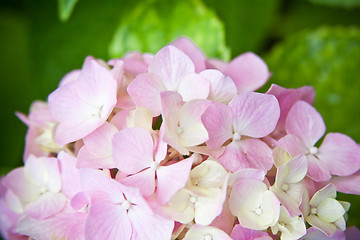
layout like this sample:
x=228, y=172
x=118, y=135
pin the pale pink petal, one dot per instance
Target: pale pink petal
x=70, y=177
x=161, y=147
x=248, y=71
x=255, y=114
x=217, y=120
x=145, y=90
x=194, y=86
x=146, y=225
x=101, y=187
x=317, y=170
x=172, y=178
x=241, y=233
x=70, y=77
x=326, y=227
x=171, y=65
x=195, y=54
x=305, y=122
x=20, y=186
x=132, y=149
x=249, y=153
x=119, y=120
x=51, y=228
x=349, y=184
x=340, y=154
x=291, y=204
x=97, y=150
x=54, y=182
x=287, y=98
x=192, y=131
x=83, y=105
x=171, y=105
x=293, y=145
x=316, y=234
x=107, y=221
x=246, y=173
x=222, y=87
x=47, y=205
x=80, y=200
x=215, y=63
x=225, y=221
x=144, y=180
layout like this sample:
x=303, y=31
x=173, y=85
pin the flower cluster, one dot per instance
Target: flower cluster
x=178, y=146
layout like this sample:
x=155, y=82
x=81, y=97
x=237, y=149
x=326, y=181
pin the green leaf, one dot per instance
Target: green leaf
x=65, y=8
x=338, y=3
x=247, y=23
x=153, y=24
x=328, y=59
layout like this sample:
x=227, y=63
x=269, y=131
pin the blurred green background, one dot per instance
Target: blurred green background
x=304, y=42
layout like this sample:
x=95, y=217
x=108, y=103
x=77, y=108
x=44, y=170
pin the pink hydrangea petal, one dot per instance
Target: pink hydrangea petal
x=107, y=221
x=20, y=186
x=161, y=147
x=171, y=105
x=194, y=132
x=70, y=77
x=51, y=228
x=47, y=205
x=145, y=90
x=132, y=149
x=12, y=202
x=194, y=86
x=195, y=54
x=119, y=120
x=241, y=233
x=340, y=154
x=326, y=227
x=222, y=87
x=287, y=98
x=293, y=145
x=291, y=204
x=97, y=151
x=172, y=178
x=101, y=187
x=144, y=180
x=255, y=114
x=70, y=177
x=248, y=71
x=305, y=122
x=171, y=65
x=249, y=153
x=315, y=234
x=83, y=105
x=54, y=182
x=215, y=63
x=146, y=225
x=80, y=200
x=349, y=184
x=352, y=233
x=225, y=221
x=317, y=170
x=217, y=120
